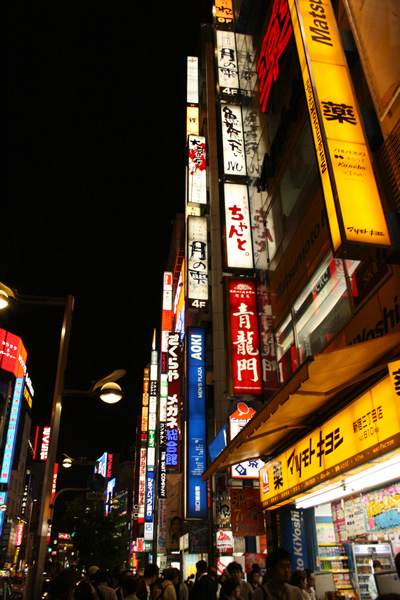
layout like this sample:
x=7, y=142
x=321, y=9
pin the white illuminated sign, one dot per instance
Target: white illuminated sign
x=197, y=263
x=232, y=140
x=197, y=174
x=238, y=229
x=192, y=80
x=227, y=61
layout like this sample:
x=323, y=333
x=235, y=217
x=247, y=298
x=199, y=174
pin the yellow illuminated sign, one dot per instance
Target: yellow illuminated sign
x=192, y=120
x=356, y=217
x=366, y=429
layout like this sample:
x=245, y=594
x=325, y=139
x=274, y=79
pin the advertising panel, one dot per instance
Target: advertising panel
x=197, y=489
x=234, y=159
x=192, y=120
x=166, y=324
x=223, y=12
x=237, y=420
x=228, y=77
x=355, y=213
x=173, y=402
x=244, y=339
x=246, y=512
x=294, y=536
x=12, y=354
x=197, y=263
x=366, y=429
x=192, y=80
x=197, y=170
x=12, y=431
x=174, y=510
x=239, y=250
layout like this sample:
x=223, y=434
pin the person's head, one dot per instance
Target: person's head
x=129, y=584
x=84, y=591
x=254, y=578
x=201, y=567
x=235, y=571
x=169, y=574
x=310, y=578
x=230, y=589
x=279, y=566
x=397, y=563
x=299, y=579
x=59, y=588
x=157, y=589
x=151, y=572
x=376, y=564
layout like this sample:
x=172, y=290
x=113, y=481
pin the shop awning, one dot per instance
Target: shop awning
x=318, y=387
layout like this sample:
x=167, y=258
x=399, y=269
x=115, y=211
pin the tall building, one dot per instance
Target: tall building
x=289, y=339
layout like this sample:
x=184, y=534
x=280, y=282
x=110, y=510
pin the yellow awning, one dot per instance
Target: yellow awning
x=315, y=389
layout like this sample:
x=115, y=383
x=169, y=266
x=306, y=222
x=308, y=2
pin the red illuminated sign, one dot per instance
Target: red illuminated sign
x=275, y=41
x=245, y=344
x=12, y=353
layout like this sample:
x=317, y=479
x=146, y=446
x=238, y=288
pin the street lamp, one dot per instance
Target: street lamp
x=7, y=295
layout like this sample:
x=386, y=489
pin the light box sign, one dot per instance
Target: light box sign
x=12, y=431
x=142, y=484
x=179, y=303
x=248, y=469
x=149, y=497
x=173, y=402
x=192, y=120
x=363, y=431
x=12, y=354
x=3, y=498
x=232, y=140
x=223, y=12
x=239, y=251
x=197, y=170
x=197, y=263
x=228, y=77
x=192, y=80
x=355, y=213
x=244, y=338
x=197, y=489
x=166, y=324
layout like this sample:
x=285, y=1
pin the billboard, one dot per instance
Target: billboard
x=12, y=354
x=197, y=170
x=234, y=158
x=196, y=505
x=239, y=250
x=244, y=348
x=12, y=431
x=197, y=263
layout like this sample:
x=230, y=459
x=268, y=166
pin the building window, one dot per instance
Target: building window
x=322, y=309
x=286, y=350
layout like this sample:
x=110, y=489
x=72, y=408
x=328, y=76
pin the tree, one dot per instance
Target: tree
x=98, y=539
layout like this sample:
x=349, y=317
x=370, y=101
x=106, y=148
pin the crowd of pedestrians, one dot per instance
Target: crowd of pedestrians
x=278, y=583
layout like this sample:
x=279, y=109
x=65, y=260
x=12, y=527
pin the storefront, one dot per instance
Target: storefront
x=330, y=439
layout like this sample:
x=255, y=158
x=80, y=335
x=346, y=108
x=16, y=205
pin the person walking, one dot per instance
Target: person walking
x=277, y=587
x=205, y=587
x=236, y=573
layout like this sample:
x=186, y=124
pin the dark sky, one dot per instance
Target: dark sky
x=92, y=173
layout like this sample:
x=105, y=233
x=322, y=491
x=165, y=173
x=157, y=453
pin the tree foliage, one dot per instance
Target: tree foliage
x=98, y=539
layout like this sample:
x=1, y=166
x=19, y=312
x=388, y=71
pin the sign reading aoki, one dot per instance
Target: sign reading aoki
x=355, y=213
x=366, y=429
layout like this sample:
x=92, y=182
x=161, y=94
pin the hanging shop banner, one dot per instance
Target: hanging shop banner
x=196, y=451
x=223, y=12
x=162, y=526
x=224, y=539
x=12, y=431
x=166, y=321
x=142, y=484
x=355, y=213
x=232, y=140
x=197, y=263
x=192, y=80
x=246, y=377
x=247, y=513
x=366, y=429
x=239, y=251
x=228, y=78
x=174, y=511
x=197, y=171
x=294, y=536
x=173, y=402
x=248, y=469
x=12, y=354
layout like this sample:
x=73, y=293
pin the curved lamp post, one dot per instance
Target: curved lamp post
x=8, y=295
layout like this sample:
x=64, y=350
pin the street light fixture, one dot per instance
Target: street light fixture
x=7, y=294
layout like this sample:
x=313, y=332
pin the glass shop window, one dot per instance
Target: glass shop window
x=286, y=350
x=322, y=309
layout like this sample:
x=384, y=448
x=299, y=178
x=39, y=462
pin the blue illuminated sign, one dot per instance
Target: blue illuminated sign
x=149, y=496
x=197, y=489
x=3, y=498
x=12, y=431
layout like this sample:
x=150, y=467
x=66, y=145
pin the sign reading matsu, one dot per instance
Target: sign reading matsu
x=245, y=344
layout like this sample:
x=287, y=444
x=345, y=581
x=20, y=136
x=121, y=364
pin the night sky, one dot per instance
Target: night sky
x=92, y=174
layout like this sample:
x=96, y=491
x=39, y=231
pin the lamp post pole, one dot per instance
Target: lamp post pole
x=38, y=567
